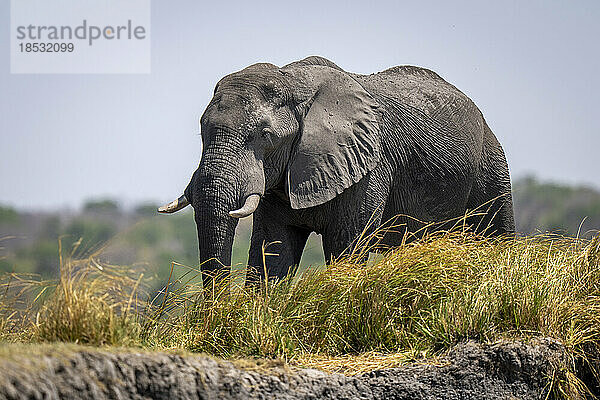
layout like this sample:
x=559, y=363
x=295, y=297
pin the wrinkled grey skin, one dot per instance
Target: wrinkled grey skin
x=330, y=151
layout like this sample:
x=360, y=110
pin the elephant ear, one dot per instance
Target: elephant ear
x=340, y=136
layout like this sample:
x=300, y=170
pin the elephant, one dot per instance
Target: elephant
x=309, y=147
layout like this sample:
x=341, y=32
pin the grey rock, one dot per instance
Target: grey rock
x=504, y=370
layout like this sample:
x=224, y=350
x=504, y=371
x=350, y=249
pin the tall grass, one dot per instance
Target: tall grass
x=417, y=300
x=425, y=295
x=91, y=303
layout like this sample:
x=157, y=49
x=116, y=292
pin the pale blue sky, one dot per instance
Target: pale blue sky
x=531, y=67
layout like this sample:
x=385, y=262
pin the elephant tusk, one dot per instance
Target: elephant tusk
x=248, y=208
x=175, y=205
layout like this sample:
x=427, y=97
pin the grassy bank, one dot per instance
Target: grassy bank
x=410, y=303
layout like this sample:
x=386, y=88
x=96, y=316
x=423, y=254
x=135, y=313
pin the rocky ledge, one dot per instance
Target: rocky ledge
x=504, y=370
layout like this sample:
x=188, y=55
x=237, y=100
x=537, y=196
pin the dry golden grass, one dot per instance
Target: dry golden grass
x=91, y=303
x=356, y=364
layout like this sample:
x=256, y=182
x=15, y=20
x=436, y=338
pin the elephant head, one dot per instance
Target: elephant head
x=308, y=129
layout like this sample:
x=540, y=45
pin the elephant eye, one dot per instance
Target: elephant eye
x=266, y=132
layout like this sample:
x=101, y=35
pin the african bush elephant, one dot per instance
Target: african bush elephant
x=309, y=147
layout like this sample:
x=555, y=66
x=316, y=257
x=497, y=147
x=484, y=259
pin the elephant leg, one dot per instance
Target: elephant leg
x=353, y=221
x=350, y=240
x=491, y=192
x=496, y=202
x=281, y=243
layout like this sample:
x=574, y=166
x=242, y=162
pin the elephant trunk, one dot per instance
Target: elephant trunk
x=223, y=189
x=216, y=231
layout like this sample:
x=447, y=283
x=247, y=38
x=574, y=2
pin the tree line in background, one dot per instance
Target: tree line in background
x=29, y=241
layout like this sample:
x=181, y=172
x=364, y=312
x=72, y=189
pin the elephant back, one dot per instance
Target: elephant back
x=314, y=60
x=418, y=88
x=427, y=119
